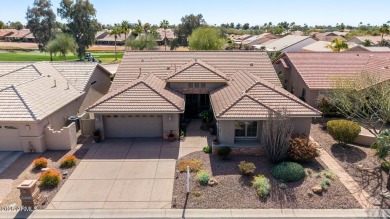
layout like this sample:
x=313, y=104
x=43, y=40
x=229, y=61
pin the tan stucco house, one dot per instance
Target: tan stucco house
x=36, y=100
x=153, y=91
x=309, y=75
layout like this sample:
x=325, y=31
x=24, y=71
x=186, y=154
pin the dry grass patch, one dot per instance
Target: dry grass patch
x=194, y=165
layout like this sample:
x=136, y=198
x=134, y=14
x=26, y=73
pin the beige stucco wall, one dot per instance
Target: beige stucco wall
x=226, y=131
x=302, y=125
x=63, y=139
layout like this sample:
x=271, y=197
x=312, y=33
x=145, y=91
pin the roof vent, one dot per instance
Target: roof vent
x=169, y=68
x=386, y=67
x=357, y=54
x=55, y=83
x=48, y=76
x=251, y=64
x=67, y=85
x=142, y=60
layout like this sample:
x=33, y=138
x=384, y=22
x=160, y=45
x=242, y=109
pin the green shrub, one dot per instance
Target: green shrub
x=343, y=131
x=203, y=177
x=301, y=149
x=50, y=178
x=328, y=173
x=207, y=149
x=262, y=185
x=325, y=183
x=193, y=164
x=247, y=168
x=69, y=161
x=385, y=166
x=288, y=172
x=326, y=107
x=40, y=163
x=223, y=152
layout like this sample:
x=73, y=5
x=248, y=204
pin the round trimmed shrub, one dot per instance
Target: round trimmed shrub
x=247, y=168
x=207, y=149
x=223, y=152
x=262, y=185
x=343, y=131
x=203, y=177
x=40, y=163
x=69, y=161
x=50, y=178
x=301, y=149
x=288, y=172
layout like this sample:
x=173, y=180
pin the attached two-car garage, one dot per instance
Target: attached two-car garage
x=133, y=126
x=10, y=138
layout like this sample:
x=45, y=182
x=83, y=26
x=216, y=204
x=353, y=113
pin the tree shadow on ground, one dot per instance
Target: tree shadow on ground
x=348, y=153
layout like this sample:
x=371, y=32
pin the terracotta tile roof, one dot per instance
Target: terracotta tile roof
x=250, y=97
x=378, y=66
x=197, y=71
x=259, y=39
x=375, y=39
x=136, y=64
x=111, y=38
x=326, y=36
x=169, y=33
x=20, y=33
x=284, y=42
x=34, y=91
x=7, y=32
x=318, y=70
x=29, y=36
x=147, y=94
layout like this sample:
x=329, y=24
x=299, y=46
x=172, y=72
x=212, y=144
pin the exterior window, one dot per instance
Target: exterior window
x=246, y=129
x=202, y=84
x=190, y=84
x=303, y=96
x=292, y=89
x=10, y=127
x=196, y=84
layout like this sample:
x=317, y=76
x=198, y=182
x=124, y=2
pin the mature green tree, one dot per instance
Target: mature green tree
x=16, y=25
x=116, y=31
x=164, y=24
x=41, y=21
x=384, y=29
x=337, y=45
x=206, y=38
x=63, y=44
x=139, y=28
x=1, y=25
x=82, y=24
x=142, y=42
x=245, y=26
x=125, y=28
x=188, y=24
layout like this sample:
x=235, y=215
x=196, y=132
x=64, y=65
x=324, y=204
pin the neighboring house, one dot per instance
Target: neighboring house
x=37, y=99
x=29, y=38
x=288, y=43
x=18, y=35
x=6, y=32
x=322, y=46
x=326, y=36
x=107, y=39
x=376, y=40
x=165, y=36
x=254, y=40
x=310, y=75
x=153, y=92
x=101, y=34
x=361, y=48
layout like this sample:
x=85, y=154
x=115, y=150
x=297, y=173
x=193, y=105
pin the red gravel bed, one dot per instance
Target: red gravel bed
x=349, y=157
x=236, y=191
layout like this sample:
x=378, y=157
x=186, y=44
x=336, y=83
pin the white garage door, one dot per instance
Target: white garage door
x=9, y=139
x=133, y=126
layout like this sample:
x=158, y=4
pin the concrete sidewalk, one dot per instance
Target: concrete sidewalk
x=202, y=213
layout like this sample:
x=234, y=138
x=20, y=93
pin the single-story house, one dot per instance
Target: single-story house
x=361, y=48
x=6, y=32
x=309, y=75
x=154, y=91
x=288, y=43
x=36, y=100
x=321, y=46
x=326, y=36
x=101, y=34
x=165, y=36
x=376, y=40
x=18, y=35
x=254, y=40
x=107, y=39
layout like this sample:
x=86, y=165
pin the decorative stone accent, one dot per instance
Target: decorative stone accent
x=317, y=189
x=29, y=193
x=212, y=182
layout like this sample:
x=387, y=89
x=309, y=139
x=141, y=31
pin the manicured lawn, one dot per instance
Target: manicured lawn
x=38, y=56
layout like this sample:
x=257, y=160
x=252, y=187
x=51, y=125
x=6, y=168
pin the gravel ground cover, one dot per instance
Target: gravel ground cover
x=354, y=159
x=236, y=191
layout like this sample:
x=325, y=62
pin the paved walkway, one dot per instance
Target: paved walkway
x=353, y=187
x=6, y=159
x=121, y=173
x=202, y=213
x=195, y=138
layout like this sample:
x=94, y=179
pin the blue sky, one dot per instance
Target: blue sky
x=374, y=12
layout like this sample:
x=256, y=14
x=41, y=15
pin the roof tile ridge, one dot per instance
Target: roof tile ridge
x=292, y=97
x=212, y=69
x=157, y=92
x=25, y=103
x=39, y=72
x=292, y=63
x=239, y=99
x=59, y=73
x=251, y=77
x=13, y=71
x=185, y=67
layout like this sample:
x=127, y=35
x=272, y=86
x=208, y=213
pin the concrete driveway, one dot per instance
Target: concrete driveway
x=122, y=173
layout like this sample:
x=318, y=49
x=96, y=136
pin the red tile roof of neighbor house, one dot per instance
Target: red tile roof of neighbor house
x=319, y=70
x=146, y=94
x=252, y=88
x=248, y=96
x=7, y=32
x=20, y=33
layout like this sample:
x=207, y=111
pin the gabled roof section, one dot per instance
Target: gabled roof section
x=249, y=97
x=197, y=71
x=13, y=107
x=147, y=94
x=18, y=75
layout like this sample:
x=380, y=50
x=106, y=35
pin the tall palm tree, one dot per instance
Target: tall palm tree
x=337, y=45
x=164, y=24
x=126, y=27
x=116, y=31
x=147, y=27
x=384, y=29
x=138, y=28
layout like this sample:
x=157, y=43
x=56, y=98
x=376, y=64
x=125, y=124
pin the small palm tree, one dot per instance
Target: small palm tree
x=126, y=27
x=337, y=45
x=138, y=28
x=116, y=32
x=384, y=29
x=164, y=24
x=367, y=42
